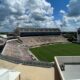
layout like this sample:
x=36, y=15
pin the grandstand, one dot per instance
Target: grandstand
x=17, y=50
x=30, y=37
x=39, y=36
x=40, y=40
x=37, y=31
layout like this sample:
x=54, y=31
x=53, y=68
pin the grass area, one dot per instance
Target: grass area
x=47, y=53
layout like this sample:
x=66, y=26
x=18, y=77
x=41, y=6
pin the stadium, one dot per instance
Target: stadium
x=39, y=40
x=27, y=50
x=26, y=38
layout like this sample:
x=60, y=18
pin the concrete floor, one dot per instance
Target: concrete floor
x=72, y=72
x=30, y=72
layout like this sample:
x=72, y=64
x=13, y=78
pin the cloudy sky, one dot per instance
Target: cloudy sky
x=40, y=13
x=59, y=5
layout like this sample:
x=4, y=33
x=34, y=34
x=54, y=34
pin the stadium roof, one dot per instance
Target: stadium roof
x=38, y=29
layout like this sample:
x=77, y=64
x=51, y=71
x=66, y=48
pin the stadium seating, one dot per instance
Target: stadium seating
x=16, y=50
x=19, y=48
x=39, y=40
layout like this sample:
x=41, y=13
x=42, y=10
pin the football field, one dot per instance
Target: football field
x=47, y=52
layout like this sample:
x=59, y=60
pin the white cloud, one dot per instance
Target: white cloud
x=58, y=23
x=74, y=8
x=32, y=13
x=71, y=21
x=62, y=12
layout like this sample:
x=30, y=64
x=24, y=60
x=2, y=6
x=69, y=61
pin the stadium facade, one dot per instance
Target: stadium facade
x=37, y=31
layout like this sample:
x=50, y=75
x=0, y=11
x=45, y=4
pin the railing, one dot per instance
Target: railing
x=30, y=63
x=39, y=30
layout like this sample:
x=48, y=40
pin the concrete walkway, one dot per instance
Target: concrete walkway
x=29, y=72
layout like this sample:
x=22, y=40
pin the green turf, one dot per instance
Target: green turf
x=47, y=53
